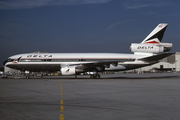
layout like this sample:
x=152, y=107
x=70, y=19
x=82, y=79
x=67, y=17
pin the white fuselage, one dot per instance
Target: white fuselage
x=54, y=61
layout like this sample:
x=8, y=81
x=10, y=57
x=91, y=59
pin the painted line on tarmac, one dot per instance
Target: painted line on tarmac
x=61, y=104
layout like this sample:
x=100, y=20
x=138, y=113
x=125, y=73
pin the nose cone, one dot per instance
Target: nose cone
x=10, y=64
x=4, y=63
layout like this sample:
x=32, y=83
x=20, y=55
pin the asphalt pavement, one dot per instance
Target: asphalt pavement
x=150, y=96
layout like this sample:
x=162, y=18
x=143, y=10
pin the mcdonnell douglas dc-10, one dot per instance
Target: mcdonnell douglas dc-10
x=145, y=53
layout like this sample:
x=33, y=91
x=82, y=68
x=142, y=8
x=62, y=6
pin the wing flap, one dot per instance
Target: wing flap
x=97, y=63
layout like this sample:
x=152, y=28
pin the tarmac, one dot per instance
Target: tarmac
x=150, y=96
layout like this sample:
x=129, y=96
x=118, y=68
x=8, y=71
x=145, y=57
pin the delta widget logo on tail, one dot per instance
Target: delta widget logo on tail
x=67, y=70
x=161, y=25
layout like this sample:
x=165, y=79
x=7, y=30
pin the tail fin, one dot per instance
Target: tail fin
x=156, y=35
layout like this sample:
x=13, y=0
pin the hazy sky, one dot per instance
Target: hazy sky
x=80, y=26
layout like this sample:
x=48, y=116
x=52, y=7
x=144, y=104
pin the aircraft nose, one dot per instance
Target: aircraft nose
x=4, y=63
x=7, y=60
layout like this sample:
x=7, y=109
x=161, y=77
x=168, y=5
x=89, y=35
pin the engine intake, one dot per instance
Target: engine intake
x=70, y=70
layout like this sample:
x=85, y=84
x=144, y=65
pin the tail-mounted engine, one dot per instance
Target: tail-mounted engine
x=151, y=48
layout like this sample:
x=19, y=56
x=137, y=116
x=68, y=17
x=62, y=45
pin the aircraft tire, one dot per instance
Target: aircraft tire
x=28, y=77
x=92, y=77
x=97, y=76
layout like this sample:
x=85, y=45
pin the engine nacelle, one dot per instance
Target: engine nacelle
x=151, y=48
x=70, y=70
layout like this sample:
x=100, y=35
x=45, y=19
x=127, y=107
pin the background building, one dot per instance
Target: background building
x=171, y=63
x=177, y=61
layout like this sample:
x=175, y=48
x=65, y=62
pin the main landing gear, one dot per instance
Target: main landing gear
x=27, y=73
x=95, y=76
x=28, y=77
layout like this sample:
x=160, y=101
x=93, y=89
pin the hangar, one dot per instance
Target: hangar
x=171, y=63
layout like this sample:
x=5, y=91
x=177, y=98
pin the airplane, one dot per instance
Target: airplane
x=145, y=53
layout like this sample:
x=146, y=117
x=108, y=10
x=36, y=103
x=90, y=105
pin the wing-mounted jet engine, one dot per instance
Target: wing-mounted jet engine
x=70, y=70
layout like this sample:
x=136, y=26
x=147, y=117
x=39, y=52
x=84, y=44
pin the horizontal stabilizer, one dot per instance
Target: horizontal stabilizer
x=156, y=57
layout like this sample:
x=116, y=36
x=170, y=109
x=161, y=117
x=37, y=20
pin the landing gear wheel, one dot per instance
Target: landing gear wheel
x=92, y=76
x=42, y=75
x=28, y=77
x=97, y=76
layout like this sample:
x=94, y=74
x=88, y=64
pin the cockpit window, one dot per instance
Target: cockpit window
x=10, y=60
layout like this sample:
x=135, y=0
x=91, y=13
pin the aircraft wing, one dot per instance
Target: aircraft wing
x=97, y=64
x=100, y=65
x=156, y=57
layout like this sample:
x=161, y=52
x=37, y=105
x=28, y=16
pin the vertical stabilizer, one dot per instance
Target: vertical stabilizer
x=157, y=33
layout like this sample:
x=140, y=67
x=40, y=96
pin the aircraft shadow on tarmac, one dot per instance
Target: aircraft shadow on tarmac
x=110, y=77
x=135, y=76
x=127, y=76
x=154, y=77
